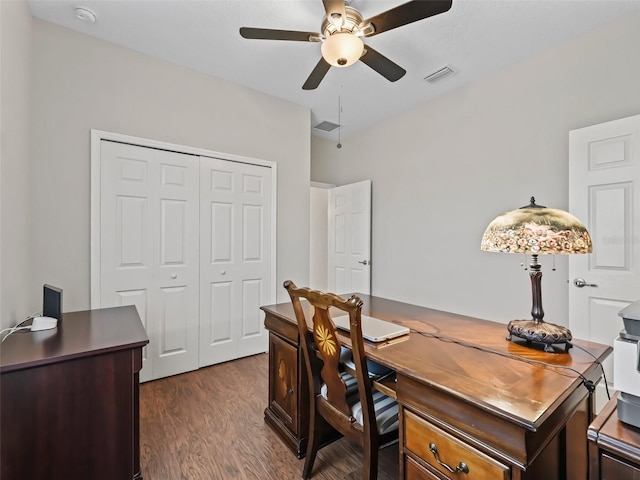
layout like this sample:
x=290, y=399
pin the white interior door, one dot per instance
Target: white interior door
x=604, y=174
x=149, y=249
x=349, y=239
x=235, y=253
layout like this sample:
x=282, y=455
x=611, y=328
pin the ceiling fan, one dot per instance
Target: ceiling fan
x=342, y=31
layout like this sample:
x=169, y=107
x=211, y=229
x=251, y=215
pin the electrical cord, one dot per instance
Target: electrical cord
x=12, y=330
x=17, y=326
x=589, y=385
x=604, y=375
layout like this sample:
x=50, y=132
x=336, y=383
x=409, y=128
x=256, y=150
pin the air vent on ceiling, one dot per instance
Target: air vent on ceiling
x=441, y=74
x=326, y=126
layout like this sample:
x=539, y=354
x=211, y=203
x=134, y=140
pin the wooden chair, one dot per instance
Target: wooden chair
x=344, y=400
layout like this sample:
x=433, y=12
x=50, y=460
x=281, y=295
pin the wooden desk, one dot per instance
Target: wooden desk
x=487, y=406
x=69, y=400
x=614, y=446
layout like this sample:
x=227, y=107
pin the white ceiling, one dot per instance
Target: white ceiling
x=475, y=37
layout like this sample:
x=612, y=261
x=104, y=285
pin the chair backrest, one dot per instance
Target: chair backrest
x=321, y=347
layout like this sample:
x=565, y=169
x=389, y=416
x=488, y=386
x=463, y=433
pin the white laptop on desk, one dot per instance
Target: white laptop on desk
x=373, y=329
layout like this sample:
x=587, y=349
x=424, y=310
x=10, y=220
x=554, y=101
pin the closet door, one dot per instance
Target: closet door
x=235, y=250
x=149, y=249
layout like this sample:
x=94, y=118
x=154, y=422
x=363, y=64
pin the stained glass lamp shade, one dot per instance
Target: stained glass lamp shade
x=536, y=230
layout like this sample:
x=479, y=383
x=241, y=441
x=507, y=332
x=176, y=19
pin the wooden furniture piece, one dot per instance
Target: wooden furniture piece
x=468, y=397
x=343, y=399
x=69, y=400
x=614, y=446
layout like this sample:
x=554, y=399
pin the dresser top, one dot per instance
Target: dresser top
x=613, y=435
x=78, y=334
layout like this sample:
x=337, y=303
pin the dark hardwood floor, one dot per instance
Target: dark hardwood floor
x=209, y=425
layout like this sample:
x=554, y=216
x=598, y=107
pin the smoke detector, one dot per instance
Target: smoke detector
x=85, y=15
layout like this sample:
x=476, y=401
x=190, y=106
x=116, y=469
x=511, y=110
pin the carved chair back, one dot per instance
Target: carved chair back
x=322, y=350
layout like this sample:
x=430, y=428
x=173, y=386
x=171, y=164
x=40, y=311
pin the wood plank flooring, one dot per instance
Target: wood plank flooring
x=209, y=425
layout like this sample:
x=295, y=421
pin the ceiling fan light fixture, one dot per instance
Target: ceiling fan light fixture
x=342, y=49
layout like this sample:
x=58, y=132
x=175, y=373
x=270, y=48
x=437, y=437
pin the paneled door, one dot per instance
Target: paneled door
x=349, y=238
x=604, y=176
x=235, y=255
x=149, y=257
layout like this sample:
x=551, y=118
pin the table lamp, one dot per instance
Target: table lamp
x=537, y=230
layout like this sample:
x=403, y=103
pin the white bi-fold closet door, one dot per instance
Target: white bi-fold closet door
x=235, y=268
x=187, y=239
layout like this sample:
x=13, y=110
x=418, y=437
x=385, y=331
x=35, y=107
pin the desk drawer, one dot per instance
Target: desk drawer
x=413, y=471
x=612, y=468
x=420, y=436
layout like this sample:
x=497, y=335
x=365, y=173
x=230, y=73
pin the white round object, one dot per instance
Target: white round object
x=342, y=49
x=85, y=15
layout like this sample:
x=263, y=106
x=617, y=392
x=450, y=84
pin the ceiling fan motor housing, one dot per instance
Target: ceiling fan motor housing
x=338, y=24
x=342, y=45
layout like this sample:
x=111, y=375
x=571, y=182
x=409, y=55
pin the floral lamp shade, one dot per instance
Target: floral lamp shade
x=536, y=230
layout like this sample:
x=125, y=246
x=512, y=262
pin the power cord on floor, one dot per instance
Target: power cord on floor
x=588, y=384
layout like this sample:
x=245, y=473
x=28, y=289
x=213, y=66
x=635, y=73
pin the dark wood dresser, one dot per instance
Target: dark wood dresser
x=69, y=398
x=614, y=446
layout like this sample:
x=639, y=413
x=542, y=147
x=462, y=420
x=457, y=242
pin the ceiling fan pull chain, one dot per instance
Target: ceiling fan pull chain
x=339, y=122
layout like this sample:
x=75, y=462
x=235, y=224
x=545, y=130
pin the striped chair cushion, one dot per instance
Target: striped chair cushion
x=374, y=368
x=386, y=408
x=350, y=381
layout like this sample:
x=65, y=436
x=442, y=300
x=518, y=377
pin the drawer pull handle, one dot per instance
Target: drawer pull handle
x=462, y=467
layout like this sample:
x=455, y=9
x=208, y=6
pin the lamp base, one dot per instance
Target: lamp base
x=541, y=332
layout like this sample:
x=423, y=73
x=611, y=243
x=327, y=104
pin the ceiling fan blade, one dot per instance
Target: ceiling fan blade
x=381, y=64
x=270, y=34
x=406, y=13
x=317, y=75
x=335, y=6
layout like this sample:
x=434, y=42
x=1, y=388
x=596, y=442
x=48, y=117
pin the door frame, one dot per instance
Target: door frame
x=98, y=135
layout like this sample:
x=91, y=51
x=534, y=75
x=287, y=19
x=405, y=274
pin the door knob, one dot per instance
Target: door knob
x=223, y=272
x=579, y=282
x=364, y=262
x=174, y=276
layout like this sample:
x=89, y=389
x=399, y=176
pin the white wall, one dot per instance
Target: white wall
x=318, y=239
x=79, y=83
x=15, y=188
x=443, y=171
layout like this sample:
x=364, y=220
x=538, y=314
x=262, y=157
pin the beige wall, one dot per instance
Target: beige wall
x=79, y=83
x=443, y=171
x=318, y=236
x=15, y=184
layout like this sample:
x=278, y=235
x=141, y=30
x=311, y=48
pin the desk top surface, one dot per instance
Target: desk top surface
x=472, y=359
x=78, y=334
